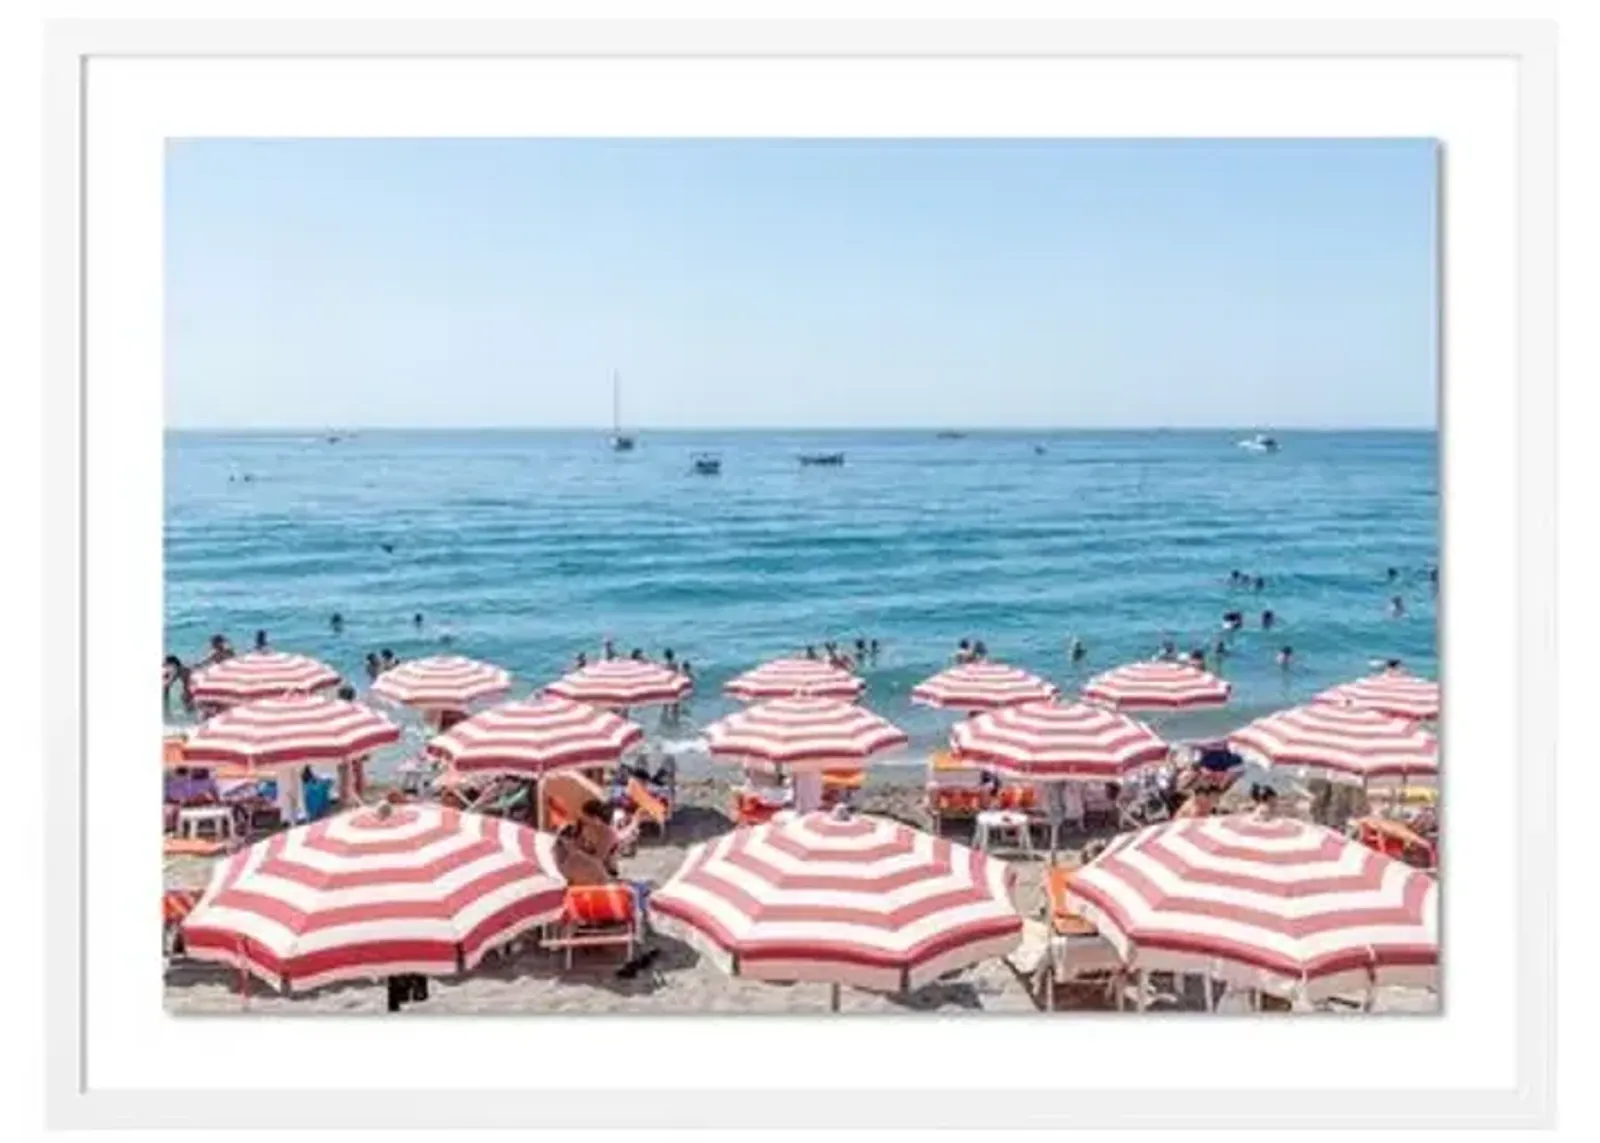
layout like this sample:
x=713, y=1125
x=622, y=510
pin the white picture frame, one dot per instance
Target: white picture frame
x=75, y=1099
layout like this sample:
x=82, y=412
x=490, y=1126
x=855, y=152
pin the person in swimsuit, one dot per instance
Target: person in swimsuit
x=173, y=672
x=587, y=849
x=220, y=651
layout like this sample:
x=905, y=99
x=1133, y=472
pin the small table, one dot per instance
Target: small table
x=992, y=823
x=219, y=819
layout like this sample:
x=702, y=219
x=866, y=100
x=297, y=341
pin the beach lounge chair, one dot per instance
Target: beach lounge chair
x=841, y=786
x=597, y=916
x=954, y=803
x=1079, y=957
x=647, y=805
x=750, y=808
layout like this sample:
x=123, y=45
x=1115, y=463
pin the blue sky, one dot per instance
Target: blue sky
x=801, y=283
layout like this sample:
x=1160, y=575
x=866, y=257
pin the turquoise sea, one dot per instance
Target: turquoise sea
x=525, y=547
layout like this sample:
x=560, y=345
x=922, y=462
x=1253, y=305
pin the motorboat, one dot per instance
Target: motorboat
x=706, y=465
x=1260, y=443
x=950, y=435
x=822, y=458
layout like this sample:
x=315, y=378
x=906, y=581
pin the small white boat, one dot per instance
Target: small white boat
x=1260, y=443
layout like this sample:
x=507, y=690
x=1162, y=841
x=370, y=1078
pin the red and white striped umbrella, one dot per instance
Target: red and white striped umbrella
x=259, y=675
x=534, y=736
x=981, y=686
x=1053, y=741
x=1158, y=686
x=622, y=683
x=1284, y=906
x=292, y=730
x=785, y=678
x=1397, y=693
x=1342, y=743
x=804, y=733
x=376, y=892
x=860, y=901
x=442, y=682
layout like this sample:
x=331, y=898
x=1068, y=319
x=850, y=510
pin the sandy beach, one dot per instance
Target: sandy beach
x=525, y=980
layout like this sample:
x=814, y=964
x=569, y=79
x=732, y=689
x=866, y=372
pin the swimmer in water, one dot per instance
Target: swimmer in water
x=374, y=668
x=1232, y=620
x=637, y=655
x=979, y=652
x=1392, y=575
x=416, y=620
x=1397, y=607
x=1197, y=657
x=811, y=651
x=608, y=650
x=1267, y=620
x=963, y=652
x=336, y=621
x=261, y=640
x=1169, y=650
x=1076, y=651
x=1219, y=650
x=347, y=692
x=221, y=650
x=1285, y=656
x=581, y=661
x=1260, y=583
x=386, y=657
x=668, y=660
x=387, y=548
x=1391, y=664
x=872, y=649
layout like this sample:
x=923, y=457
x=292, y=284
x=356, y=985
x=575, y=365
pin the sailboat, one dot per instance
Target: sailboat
x=620, y=441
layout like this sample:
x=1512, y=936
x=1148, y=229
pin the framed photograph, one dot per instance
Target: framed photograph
x=759, y=566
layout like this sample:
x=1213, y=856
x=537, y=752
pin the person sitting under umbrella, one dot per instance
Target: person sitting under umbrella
x=587, y=849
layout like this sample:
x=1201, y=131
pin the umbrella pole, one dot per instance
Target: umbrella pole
x=1144, y=990
x=833, y=998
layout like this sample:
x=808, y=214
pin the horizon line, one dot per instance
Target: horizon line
x=607, y=430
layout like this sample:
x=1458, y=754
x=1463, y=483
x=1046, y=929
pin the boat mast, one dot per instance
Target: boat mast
x=616, y=404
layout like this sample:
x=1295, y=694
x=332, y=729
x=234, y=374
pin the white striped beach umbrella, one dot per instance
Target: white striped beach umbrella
x=376, y=892
x=1051, y=741
x=259, y=675
x=1158, y=686
x=292, y=730
x=802, y=733
x=442, y=682
x=785, y=678
x=1279, y=905
x=981, y=686
x=1342, y=744
x=622, y=683
x=1397, y=693
x=534, y=736
x=858, y=901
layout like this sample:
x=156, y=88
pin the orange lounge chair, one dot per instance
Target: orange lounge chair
x=595, y=916
x=749, y=809
x=1087, y=961
x=954, y=803
x=648, y=805
x=1024, y=798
